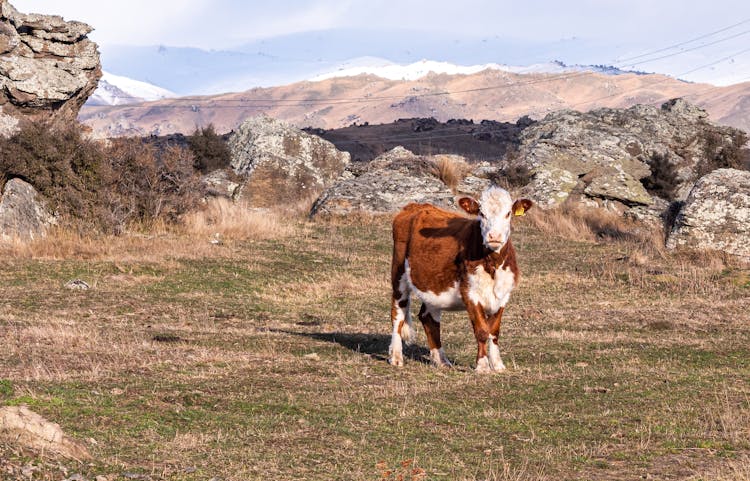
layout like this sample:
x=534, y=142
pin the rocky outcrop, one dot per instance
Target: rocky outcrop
x=26, y=429
x=385, y=185
x=282, y=164
x=603, y=156
x=22, y=212
x=48, y=68
x=716, y=214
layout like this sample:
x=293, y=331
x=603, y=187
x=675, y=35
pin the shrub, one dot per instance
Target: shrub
x=663, y=179
x=145, y=184
x=209, y=150
x=718, y=153
x=105, y=188
x=63, y=166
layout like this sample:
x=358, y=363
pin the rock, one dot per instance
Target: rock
x=716, y=214
x=48, y=68
x=390, y=181
x=605, y=154
x=77, y=285
x=23, y=214
x=282, y=164
x=222, y=183
x=29, y=430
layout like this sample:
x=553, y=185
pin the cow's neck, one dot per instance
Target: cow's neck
x=494, y=260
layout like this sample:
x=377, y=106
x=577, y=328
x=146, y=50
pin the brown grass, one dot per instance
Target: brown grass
x=451, y=169
x=224, y=219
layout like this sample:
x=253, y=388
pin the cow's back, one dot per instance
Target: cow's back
x=431, y=240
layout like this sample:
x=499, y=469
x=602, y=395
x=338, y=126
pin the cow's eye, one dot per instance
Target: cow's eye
x=507, y=215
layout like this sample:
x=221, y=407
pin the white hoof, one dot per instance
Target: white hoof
x=483, y=366
x=439, y=359
x=396, y=359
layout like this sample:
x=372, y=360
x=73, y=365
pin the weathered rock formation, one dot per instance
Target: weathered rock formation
x=48, y=68
x=385, y=185
x=27, y=429
x=716, y=214
x=282, y=164
x=601, y=157
x=23, y=214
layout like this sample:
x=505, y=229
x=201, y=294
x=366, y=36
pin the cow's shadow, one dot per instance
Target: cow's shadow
x=372, y=345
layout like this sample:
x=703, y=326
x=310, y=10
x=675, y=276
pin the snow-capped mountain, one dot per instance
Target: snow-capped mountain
x=413, y=71
x=119, y=90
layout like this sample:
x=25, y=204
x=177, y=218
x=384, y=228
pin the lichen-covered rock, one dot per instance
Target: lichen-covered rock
x=388, y=183
x=221, y=183
x=48, y=68
x=282, y=164
x=716, y=214
x=22, y=212
x=606, y=153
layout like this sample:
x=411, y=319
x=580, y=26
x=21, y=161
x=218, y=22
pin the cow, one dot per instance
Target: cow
x=452, y=262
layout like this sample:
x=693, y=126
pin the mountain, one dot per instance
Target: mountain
x=413, y=71
x=487, y=94
x=118, y=90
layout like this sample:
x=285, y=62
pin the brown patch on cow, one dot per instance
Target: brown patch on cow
x=431, y=328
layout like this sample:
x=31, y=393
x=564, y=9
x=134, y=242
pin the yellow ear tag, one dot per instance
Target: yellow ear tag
x=520, y=211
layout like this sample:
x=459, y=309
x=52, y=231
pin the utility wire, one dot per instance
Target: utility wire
x=711, y=34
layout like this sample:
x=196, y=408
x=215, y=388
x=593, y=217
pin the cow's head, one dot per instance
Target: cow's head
x=495, y=210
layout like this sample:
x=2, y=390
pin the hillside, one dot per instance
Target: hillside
x=489, y=94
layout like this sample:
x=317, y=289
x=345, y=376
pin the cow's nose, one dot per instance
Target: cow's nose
x=495, y=239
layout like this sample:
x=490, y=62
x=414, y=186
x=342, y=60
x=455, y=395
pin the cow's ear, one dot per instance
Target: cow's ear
x=521, y=206
x=469, y=205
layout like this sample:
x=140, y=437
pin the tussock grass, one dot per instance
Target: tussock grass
x=451, y=169
x=222, y=218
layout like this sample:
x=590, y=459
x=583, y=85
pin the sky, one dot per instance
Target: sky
x=620, y=28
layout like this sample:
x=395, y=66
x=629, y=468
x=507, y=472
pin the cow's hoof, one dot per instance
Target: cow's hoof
x=439, y=359
x=396, y=361
x=483, y=366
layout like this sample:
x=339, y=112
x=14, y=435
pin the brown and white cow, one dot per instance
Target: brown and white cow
x=451, y=262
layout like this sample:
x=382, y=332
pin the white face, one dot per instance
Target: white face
x=494, y=217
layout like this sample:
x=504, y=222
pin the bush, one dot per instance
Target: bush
x=64, y=167
x=145, y=184
x=105, y=188
x=663, y=179
x=719, y=154
x=209, y=149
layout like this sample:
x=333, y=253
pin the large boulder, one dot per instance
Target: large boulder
x=716, y=214
x=48, y=68
x=603, y=156
x=23, y=214
x=282, y=164
x=384, y=185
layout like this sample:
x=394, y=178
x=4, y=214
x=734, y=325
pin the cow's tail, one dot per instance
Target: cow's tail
x=408, y=334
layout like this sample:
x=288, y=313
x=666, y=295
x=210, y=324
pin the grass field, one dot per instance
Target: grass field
x=264, y=357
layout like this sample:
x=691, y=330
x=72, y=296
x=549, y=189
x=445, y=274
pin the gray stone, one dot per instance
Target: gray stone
x=221, y=183
x=282, y=164
x=716, y=214
x=23, y=214
x=48, y=68
x=392, y=180
x=604, y=154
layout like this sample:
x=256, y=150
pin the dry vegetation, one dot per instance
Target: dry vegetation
x=262, y=356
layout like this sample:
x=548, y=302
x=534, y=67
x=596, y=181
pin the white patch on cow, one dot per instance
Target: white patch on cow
x=449, y=299
x=439, y=359
x=483, y=365
x=395, y=353
x=496, y=363
x=495, y=206
x=492, y=294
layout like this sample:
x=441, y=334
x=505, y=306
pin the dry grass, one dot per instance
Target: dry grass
x=266, y=359
x=222, y=218
x=451, y=169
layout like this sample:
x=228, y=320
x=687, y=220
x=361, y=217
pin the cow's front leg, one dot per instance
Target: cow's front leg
x=496, y=362
x=482, y=335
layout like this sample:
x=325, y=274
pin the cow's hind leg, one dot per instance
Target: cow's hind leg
x=430, y=317
x=400, y=318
